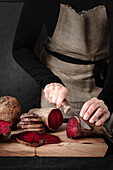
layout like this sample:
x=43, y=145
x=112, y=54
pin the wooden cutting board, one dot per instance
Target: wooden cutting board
x=86, y=147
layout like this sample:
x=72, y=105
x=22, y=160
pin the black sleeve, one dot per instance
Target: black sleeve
x=107, y=93
x=29, y=27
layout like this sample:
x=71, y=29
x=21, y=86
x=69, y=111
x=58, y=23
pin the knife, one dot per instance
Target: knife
x=71, y=112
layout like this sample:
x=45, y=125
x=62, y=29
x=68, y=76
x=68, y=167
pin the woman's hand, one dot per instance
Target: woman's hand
x=93, y=109
x=55, y=93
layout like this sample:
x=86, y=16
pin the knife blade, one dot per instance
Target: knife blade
x=71, y=112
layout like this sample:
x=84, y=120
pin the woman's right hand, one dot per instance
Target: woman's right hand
x=55, y=93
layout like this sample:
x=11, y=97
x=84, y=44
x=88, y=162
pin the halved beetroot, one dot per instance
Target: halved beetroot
x=52, y=117
x=73, y=127
x=75, y=130
x=55, y=119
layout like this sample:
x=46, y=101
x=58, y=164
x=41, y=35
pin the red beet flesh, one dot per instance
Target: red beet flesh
x=29, y=136
x=51, y=139
x=72, y=127
x=4, y=126
x=34, y=138
x=55, y=119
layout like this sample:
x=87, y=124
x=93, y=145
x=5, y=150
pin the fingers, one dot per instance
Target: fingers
x=85, y=108
x=97, y=114
x=103, y=118
x=94, y=109
x=60, y=99
x=55, y=93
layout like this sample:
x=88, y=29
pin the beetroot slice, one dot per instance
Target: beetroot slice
x=55, y=119
x=28, y=138
x=34, y=138
x=51, y=139
x=4, y=127
x=72, y=127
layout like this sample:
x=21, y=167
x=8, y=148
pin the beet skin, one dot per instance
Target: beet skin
x=75, y=130
x=52, y=117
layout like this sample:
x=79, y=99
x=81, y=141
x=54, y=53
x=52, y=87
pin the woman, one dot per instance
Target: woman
x=75, y=53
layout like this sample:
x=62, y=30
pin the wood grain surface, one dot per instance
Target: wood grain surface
x=84, y=147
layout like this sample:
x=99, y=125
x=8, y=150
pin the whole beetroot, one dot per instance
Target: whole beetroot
x=10, y=110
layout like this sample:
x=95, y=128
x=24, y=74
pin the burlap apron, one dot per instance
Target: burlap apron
x=81, y=36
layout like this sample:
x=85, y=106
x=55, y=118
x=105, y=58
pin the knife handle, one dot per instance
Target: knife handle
x=65, y=106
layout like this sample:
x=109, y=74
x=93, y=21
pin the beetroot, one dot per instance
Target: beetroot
x=52, y=117
x=31, y=122
x=55, y=119
x=34, y=138
x=51, y=139
x=28, y=138
x=10, y=110
x=5, y=127
x=72, y=127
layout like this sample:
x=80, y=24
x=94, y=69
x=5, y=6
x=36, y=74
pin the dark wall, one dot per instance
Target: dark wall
x=14, y=80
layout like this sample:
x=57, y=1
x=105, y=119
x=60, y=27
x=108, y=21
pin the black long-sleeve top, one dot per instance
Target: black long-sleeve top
x=37, y=12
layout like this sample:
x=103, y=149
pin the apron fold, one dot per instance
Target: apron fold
x=83, y=36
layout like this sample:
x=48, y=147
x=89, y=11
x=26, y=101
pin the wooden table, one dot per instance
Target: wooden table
x=84, y=147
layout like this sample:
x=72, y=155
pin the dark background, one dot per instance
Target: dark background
x=16, y=82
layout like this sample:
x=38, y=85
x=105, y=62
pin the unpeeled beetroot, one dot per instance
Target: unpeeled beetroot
x=34, y=138
x=75, y=130
x=52, y=117
x=5, y=128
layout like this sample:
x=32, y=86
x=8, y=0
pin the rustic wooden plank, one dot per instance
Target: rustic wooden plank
x=16, y=149
x=86, y=147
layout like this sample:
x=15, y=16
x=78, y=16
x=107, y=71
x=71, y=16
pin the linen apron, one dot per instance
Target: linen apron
x=83, y=36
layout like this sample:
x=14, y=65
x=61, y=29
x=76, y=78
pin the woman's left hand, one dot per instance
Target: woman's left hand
x=93, y=109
